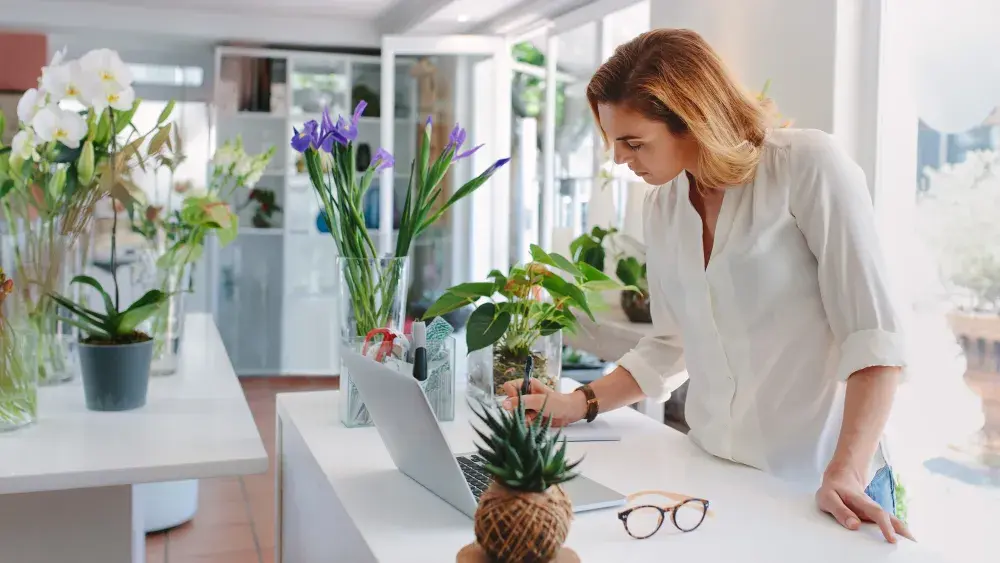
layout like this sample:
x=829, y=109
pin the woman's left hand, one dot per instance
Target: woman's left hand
x=843, y=496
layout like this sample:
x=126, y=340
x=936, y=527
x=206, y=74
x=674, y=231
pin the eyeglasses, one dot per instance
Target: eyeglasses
x=644, y=520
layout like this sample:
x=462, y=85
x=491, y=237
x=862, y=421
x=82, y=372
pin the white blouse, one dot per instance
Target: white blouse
x=793, y=301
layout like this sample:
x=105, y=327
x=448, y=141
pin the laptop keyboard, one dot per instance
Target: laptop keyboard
x=477, y=477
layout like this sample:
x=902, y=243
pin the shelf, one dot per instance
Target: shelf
x=254, y=115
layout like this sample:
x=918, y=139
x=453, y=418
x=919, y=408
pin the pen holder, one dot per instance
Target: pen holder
x=439, y=386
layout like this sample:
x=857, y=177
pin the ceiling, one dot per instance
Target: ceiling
x=332, y=23
x=366, y=9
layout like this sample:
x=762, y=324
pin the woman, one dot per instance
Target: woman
x=765, y=278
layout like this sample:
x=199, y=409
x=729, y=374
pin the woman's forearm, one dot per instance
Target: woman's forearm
x=866, y=409
x=614, y=390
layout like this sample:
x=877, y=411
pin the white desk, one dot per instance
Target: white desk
x=342, y=499
x=66, y=483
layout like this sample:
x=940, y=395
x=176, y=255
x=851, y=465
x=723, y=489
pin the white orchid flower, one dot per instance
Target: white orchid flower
x=29, y=104
x=64, y=126
x=256, y=173
x=58, y=57
x=63, y=82
x=23, y=145
x=107, y=68
x=120, y=100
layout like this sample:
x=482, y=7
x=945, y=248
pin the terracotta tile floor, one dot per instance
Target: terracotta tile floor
x=235, y=519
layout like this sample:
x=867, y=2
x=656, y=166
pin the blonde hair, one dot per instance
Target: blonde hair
x=674, y=76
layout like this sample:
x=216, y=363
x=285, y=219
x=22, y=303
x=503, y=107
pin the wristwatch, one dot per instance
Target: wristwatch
x=592, y=402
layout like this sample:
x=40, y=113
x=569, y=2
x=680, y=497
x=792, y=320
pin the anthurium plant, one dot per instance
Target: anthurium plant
x=181, y=233
x=330, y=154
x=515, y=309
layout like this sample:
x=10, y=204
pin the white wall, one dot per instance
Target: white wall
x=820, y=55
x=790, y=43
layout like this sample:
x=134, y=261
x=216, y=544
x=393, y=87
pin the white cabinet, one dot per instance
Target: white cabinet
x=276, y=290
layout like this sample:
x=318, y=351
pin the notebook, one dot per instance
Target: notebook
x=597, y=431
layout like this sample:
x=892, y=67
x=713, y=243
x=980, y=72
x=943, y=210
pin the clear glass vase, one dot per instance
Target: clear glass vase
x=372, y=295
x=167, y=326
x=40, y=260
x=439, y=387
x=491, y=367
x=18, y=378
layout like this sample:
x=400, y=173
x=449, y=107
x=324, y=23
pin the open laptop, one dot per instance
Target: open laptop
x=411, y=434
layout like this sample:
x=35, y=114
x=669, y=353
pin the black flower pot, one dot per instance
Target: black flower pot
x=636, y=306
x=115, y=376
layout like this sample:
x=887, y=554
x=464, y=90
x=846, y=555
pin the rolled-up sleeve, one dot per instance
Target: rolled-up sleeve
x=833, y=209
x=656, y=362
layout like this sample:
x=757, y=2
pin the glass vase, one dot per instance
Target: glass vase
x=167, y=326
x=18, y=378
x=439, y=387
x=546, y=354
x=40, y=261
x=372, y=295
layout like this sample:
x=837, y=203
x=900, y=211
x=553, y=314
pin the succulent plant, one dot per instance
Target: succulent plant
x=521, y=455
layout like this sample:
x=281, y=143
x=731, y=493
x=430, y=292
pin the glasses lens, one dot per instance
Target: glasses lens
x=689, y=515
x=644, y=521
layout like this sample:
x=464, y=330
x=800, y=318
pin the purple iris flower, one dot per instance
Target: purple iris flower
x=429, y=122
x=496, y=165
x=455, y=142
x=382, y=159
x=329, y=134
x=308, y=137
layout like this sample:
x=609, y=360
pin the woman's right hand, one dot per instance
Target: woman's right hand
x=564, y=408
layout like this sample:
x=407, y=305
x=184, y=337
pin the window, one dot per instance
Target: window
x=167, y=75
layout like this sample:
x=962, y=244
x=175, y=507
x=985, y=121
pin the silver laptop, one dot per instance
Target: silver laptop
x=411, y=434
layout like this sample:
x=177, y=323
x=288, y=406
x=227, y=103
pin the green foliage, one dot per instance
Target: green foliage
x=532, y=88
x=112, y=325
x=589, y=247
x=515, y=314
x=341, y=190
x=523, y=456
x=633, y=273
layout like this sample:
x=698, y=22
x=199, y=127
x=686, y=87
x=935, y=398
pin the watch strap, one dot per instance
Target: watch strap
x=592, y=402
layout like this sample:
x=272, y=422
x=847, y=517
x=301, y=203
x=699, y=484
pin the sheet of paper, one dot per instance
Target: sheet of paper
x=597, y=431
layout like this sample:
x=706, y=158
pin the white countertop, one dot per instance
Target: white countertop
x=196, y=424
x=757, y=517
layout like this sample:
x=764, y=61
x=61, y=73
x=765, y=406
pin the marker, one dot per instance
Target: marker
x=419, y=351
x=526, y=384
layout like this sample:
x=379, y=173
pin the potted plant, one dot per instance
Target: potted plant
x=635, y=302
x=589, y=247
x=524, y=515
x=176, y=233
x=523, y=315
x=114, y=356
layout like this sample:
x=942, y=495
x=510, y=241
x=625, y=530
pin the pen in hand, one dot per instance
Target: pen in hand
x=526, y=383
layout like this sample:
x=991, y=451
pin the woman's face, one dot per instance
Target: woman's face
x=648, y=147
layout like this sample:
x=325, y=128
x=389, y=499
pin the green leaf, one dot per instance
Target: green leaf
x=472, y=289
x=601, y=285
x=145, y=307
x=446, y=304
x=108, y=303
x=161, y=138
x=124, y=118
x=79, y=310
x=66, y=155
x=103, y=133
x=549, y=327
x=165, y=113
x=91, y=329
x=591, y=273
x=485, y=326
x=559, y=287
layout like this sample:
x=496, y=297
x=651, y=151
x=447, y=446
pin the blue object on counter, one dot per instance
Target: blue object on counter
x=371, y=206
